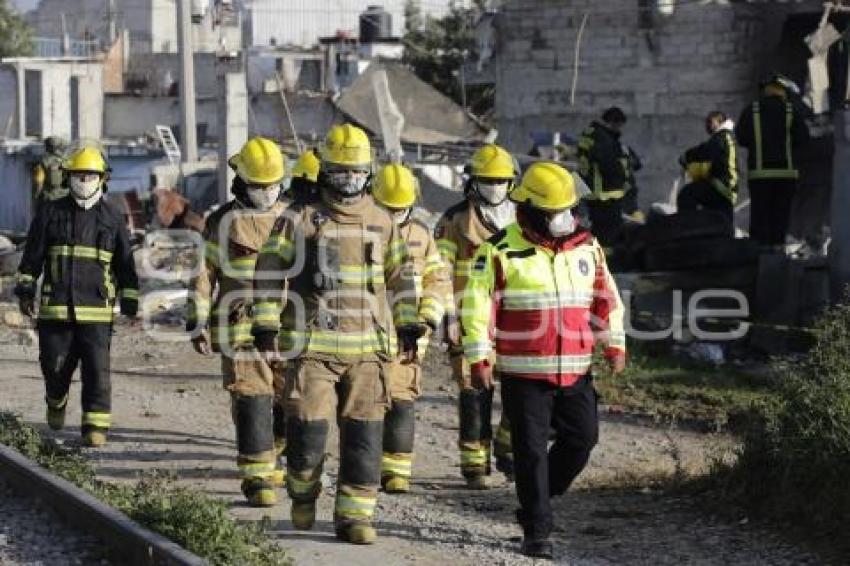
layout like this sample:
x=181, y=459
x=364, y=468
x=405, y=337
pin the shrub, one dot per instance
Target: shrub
x=795, y=460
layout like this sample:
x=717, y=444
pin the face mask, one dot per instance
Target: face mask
x=492, y=193
x=348, y=183
x=263, y=198
x=562, y=224
x=401, y=216
x=499, y=216
x=85, y=190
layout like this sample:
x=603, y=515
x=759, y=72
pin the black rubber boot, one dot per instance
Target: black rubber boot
x=541, y=548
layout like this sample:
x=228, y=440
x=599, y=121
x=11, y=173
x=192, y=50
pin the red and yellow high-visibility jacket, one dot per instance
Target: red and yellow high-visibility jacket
x=543, y=306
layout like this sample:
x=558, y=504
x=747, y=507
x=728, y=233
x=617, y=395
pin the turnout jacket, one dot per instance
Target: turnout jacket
x=431, y=276
x=341, y=267
x=220, y=295
x=771, y=128
x=86, y=260
x=715, y=160
x=603, y=164
x=542, y=305
x=459, y=233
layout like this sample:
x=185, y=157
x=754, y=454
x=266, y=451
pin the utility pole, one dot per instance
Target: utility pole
x=187, y=82
x=113, y=33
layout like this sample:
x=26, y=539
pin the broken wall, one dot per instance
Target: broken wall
x=666, y=72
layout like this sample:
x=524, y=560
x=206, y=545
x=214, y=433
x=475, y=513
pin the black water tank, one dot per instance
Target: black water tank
x=376, y=24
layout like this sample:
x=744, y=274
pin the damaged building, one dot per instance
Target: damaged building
x=557, y=65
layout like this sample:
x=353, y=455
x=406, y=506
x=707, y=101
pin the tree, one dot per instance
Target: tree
x=15, y=34
x=436, y=48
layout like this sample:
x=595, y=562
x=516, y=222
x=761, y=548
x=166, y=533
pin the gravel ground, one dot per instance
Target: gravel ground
x=31, y=534
x=170, y=413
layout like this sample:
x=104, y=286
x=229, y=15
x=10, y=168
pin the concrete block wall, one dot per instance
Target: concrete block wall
x=666, y=72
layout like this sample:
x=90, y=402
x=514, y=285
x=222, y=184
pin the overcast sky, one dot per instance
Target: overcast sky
x=24, y=5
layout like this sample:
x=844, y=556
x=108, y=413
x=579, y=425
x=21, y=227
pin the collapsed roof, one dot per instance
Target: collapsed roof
x=429, y=116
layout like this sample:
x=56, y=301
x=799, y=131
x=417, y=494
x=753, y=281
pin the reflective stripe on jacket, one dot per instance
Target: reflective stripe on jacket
x=459, y=233
x=770, y=128
x=431, y=276
x=543, y=310
x=233, y=237
x=85, y=258
x=603, y=164
x=717, y=160
x=338, y=265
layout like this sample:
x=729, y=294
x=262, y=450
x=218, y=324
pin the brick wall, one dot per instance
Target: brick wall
x=666, y=72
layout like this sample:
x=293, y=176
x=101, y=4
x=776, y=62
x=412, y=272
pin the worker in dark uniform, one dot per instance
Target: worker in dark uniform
x=81, y=246
x=772, y=129
x=604, y=167
x=631, y=208
x=47, y=176
x=713, y=169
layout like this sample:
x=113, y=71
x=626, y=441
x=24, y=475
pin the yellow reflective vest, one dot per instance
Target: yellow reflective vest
x=541, y=306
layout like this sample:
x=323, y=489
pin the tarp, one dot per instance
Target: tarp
x=429, y=116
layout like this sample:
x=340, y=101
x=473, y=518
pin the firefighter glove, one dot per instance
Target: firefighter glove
x=482, y=375
x=129, y=307
x=407, y=337
x=27, y=305
x=266, y=341
x=201, y=343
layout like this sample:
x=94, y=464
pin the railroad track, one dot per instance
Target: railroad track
x=128, y=542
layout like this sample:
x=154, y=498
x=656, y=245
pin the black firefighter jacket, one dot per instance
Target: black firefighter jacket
x=86, y=260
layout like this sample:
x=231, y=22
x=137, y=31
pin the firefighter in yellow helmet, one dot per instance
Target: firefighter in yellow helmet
x=339, y=260
x=219, y=316
x=304, y=179
x=396, y=188
x=81, y=246
x=465, y=226
x=542, y=289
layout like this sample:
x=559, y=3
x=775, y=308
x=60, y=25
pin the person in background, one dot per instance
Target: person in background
x=604, y=166
x=772, y=128
x=713, y=169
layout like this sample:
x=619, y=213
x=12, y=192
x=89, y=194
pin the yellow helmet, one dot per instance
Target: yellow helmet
x=307, y=166
x=492, y=162
x=348, y=146
x=547, y=186
x=86, y=159
x=395, y=186
x=259, y=162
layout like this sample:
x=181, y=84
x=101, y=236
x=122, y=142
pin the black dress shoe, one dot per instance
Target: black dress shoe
x=537, y=548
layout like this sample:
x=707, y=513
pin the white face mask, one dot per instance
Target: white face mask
x=401, y=216
x=562, y=224
x=491, y=193
x=348, y=183
x=264, y=198
x=499, y=216
x=86, y=190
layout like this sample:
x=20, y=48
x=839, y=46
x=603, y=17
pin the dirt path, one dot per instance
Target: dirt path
x=170, y=413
